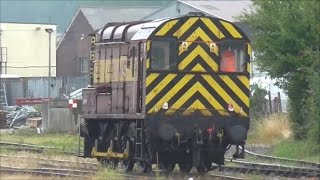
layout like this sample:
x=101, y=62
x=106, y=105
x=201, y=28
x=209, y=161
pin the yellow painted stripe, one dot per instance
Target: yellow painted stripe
x=231, y=29
x=151, y=78
x=223, y=94
x=197, y=33
x=249, y=50
x=245, y=81
x=148, y=46
x=148, y=63
x=198, y=51
x=198, y=68
x=248, y=67
x=166, y=28
x=159, y=87
x=174, y=90
x=250, y=54
x=236, y=89
x=213, y=28
x=197, y=87
x=186, y=26
x=197, y=105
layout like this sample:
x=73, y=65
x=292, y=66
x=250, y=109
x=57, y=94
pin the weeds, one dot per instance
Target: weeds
x=61, y=141
x=296, y=150
x=270, y=130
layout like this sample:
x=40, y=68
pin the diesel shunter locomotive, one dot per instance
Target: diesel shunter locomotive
x=166, y=92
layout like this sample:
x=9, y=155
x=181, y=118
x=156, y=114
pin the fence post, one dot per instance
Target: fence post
x=270, y=103
x=280, y=104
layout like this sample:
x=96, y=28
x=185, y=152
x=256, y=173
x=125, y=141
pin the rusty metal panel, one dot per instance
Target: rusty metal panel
x=103, y=103
x=89, y=101
x=130, y=95
x=116, y=98
x=113, y=116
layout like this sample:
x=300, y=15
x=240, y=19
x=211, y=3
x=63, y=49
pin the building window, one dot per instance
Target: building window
x=84, y=65
x=232, y=56
x=162, y=55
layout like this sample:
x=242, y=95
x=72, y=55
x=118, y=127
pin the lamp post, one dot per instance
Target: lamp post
x=49, y=30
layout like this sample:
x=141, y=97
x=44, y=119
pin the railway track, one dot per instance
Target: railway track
x=46, y=171
x=267, y=171
x=44, y=162
x=305, y=168
x=283, y=160
x=220, y=176
x=284, y=167
x=32, y=148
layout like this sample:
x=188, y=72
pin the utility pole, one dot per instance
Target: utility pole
x=49, y=30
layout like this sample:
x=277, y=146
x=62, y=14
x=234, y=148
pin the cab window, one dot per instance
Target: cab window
x=162, y=55
x=232, y=56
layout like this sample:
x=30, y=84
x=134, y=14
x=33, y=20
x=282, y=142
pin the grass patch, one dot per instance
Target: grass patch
x=270, y=130
x=61, y=141
x=107, y=173
x=296, y=150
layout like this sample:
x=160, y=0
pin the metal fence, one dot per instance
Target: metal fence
x=37, y=87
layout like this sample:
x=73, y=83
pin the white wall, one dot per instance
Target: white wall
x=28, y=49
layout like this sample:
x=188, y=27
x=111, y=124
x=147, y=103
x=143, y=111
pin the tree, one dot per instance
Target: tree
x=286, y=40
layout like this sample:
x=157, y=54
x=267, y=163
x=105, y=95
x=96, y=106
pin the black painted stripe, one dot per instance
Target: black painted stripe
x=222, y=29
x=164, y=91
x=194, y=27
x=198, y=60
x=155, y=82
x=234, y=96
x=183, y=90
x=213, y=92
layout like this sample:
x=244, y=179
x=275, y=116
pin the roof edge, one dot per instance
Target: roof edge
x=200, y=9
x=65, y=32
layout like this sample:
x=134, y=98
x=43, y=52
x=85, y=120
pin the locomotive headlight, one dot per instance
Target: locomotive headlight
x=230, y=107
x=165, y=105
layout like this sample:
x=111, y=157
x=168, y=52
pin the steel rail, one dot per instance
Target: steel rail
x=276, y=166
x=52, y=163
x=52, y=160
x=224, y=177
x=32, y=147
x=268, y=171
x=284, y=160
x=47, y=171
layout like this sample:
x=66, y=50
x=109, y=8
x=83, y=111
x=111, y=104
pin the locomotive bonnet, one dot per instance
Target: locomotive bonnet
x=169, y=91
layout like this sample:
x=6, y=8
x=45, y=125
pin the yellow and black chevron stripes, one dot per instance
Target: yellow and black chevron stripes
x=204, y=58
x=213, y=28
x=166, y=28
x=197, y=35
x=183, y=28
x=231, y=29
x=210, y=94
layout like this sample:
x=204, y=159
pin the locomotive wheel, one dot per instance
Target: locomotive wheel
x=203, y=168
x=143, y=167
x=185, y=167
x=114, y=163
x=104, y=161
x=167, y=166
x=127, y=165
